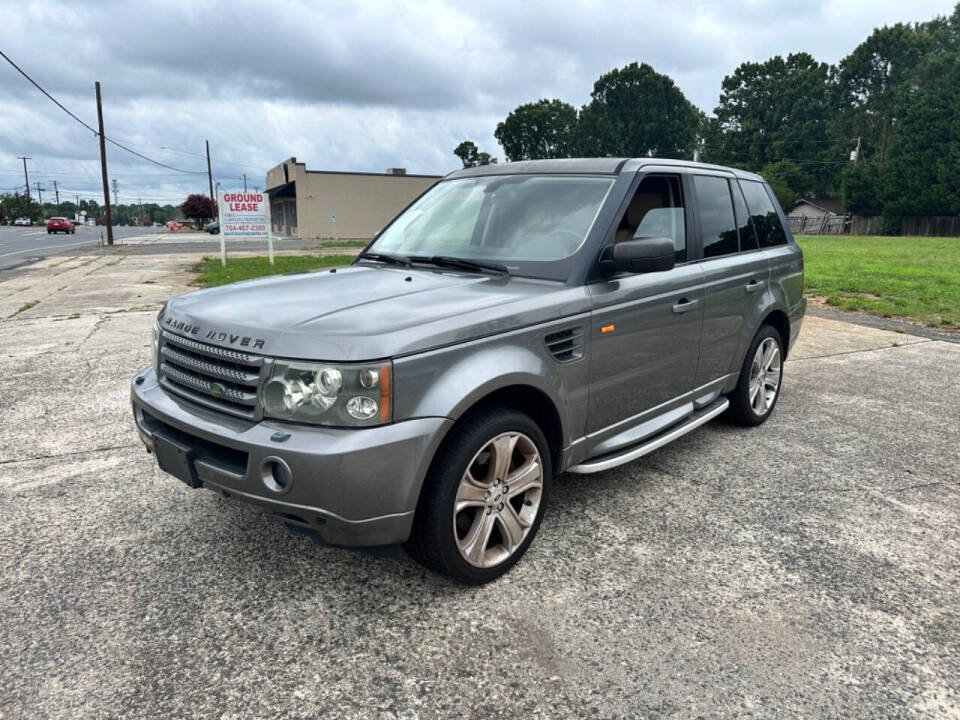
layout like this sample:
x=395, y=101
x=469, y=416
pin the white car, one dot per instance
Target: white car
x=23, y=221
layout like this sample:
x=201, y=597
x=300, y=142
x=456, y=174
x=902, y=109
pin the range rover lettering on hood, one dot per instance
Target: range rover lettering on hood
x=183, y=327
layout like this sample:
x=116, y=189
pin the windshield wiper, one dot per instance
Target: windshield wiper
x=461, y=264
x=387, y=258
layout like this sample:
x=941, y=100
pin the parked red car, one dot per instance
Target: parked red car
x=59, y=224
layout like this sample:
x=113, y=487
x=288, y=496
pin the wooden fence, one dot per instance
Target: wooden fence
x=943, y=226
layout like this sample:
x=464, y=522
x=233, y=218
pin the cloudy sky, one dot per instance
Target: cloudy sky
x=355, y=86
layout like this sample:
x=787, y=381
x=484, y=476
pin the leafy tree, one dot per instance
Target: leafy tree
x=471, y=157
x=784, y=176
x=861, y=186
x=867, y=83
x=198, y=208
x=776, y=110
x=15, y=206
x=538, y=130
x=923, y=171
x=636, y=111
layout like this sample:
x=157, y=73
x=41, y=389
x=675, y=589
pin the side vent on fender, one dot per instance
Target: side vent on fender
x=565, y=345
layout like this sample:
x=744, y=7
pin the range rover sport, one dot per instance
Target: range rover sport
x=515, y=322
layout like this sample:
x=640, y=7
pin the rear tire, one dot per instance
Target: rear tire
x=761, y=377
x=483, y=498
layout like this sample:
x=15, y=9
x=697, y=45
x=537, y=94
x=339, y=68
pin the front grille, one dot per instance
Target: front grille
x=221, y=379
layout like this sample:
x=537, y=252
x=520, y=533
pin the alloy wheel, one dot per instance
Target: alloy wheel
x=765, y=376
x=498, y=499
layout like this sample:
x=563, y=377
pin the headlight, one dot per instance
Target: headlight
x=356, y=395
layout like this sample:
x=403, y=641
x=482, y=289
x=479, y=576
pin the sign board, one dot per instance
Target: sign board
x=243, y=214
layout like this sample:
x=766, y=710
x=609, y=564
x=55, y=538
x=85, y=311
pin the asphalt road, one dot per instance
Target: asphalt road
x=805, y=568
x=19, y=245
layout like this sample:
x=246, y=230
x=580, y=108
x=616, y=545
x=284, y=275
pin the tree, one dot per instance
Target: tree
x=777, y=110
x=471, y=157
x=860, y=187
x=15, y=206
x=534, y=131
x=866, y=86
x=636, y=111
x=198, y=208
x=923, y=170
x=784, y=176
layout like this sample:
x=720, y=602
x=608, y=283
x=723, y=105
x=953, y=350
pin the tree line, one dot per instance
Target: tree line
x=14, y=205
x=880, y=130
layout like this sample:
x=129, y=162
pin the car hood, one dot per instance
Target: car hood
x=365, y=313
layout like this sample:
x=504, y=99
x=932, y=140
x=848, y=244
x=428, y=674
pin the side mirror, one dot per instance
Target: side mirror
x=642, y=255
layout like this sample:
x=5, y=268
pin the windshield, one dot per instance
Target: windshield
x=503, y=219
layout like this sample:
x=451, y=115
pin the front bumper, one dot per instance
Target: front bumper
x=353, y=487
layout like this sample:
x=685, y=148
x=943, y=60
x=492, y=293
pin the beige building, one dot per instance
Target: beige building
x=320, y=204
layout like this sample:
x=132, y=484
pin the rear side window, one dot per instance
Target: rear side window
x=716, y=216
x=766, y=222
x=748, y=239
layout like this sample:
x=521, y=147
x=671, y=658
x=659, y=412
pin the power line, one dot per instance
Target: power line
x=88, y=127
x=55, y=101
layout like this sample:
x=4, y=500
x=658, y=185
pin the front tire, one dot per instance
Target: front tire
x=761, y=377
x=483, y=498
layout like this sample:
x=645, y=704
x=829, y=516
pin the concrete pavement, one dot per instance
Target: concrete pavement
x=807, y=567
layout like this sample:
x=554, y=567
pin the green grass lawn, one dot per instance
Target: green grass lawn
x=210, y=272
x=915, y=277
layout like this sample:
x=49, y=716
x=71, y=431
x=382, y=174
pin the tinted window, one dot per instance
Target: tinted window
x=716, y=216
x=766, y=222
x=748, y=240
x=656, y=210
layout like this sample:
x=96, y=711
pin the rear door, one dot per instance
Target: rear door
x=736, y=273
x=645, y=328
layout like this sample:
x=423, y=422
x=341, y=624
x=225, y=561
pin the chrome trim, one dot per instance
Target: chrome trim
x=237, y=377
x=587, y=467
x=206, y=386
x=213, y=351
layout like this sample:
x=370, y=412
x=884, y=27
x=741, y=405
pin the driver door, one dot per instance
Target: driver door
x=645, y=328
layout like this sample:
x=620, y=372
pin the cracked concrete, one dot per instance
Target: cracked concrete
x=808, y=567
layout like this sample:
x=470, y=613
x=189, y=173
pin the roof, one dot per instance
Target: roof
x=586, y=166
x=831, y=206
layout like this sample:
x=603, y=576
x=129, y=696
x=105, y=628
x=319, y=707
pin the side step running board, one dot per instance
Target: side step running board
x=606, y=462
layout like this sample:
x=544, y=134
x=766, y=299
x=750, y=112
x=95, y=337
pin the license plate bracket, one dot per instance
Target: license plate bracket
x=176, y=459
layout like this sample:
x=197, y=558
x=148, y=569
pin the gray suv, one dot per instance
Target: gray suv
x=514, y=322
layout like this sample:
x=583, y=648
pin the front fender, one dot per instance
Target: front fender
x=449, y=381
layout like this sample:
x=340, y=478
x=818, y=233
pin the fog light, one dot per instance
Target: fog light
x=362, y=408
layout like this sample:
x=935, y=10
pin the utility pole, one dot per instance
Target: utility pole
x=26, y=178
x=244, y=182
x=210, y=179
x=116, y=201
x=140, y=203
x=57, y=191
x=103, y=167
x=40, y=199
x=856, y=153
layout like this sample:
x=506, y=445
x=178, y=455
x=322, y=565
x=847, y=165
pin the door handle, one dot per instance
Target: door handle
x=685, y=305
x=754, y=285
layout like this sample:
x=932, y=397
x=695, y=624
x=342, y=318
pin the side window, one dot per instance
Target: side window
x=657, y=211
x=716, y=216
x=748, y=239
x=766, y=222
